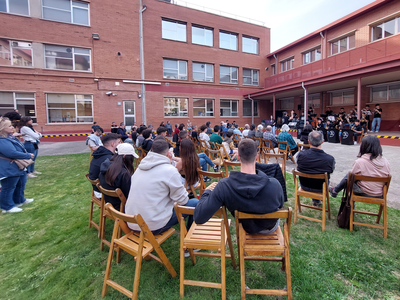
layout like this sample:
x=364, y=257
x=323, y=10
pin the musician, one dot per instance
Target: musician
x=364, y=122
x=367, y=113
x=357, y=128
x=376, y=122
x=293, y=116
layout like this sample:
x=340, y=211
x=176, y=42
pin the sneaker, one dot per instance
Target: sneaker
x=36, y=172
x=206, y=179
x=13, y=210
x=187, y=254
x=216, y=168
x=30, y=175
x=332, y=192
x=28, y=200
x=355, y=142
x=316, y=203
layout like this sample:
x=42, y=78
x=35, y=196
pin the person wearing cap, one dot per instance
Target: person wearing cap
x=117, y=172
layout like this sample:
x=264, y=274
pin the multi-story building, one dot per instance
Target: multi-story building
x=354, y=60
x=67, y=63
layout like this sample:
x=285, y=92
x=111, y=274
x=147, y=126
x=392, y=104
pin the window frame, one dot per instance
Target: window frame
x=256, y=110
x=311, y=53
x=285, y=62
x=230, y=34
x=342, y=103
x=11, y=52
x=273, y=69
x=244, y=37
x=231, y=71
x=13, y=13
x=382, y=23
x=210, y=112
x=205, y=35
x=178, y=69
x=180, y=114
x=71, y=12
x=15, y=104
x=231, y=111
x=175, y=22
x=251, y=77
x=73, y=58
x=347, y=37
x=387, y=86
x=205, y=72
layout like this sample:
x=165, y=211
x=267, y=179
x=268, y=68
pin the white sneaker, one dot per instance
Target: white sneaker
x=355, y=143
x=28, y=200
x=36, y=172
x=13, y=210
x=187, y=254
x=30, y=175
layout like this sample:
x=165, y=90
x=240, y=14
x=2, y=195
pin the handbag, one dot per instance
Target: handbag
x=21, y=163
x=343, y=218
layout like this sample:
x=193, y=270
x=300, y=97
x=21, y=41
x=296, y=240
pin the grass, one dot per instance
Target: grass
x=48, y=252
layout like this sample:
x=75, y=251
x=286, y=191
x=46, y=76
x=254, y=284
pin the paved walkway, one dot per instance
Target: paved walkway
x=344, y=155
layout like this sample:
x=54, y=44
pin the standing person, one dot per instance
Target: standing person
x=285, y=118
x=169, y=128
x=148, y=142
x=114, y=127
x=13, y=179
x=376, y=122
x=134, y=134
x=93, y=140
x=140, y=138
x=31, y=141
x=94, y=127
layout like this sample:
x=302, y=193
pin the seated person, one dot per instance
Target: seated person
x=134, y=134
x=203, y=135
x=263, y=195
x=357, y=128
x=370, y=162
x=114, y=127
x=122, y=132
x=93, y=140
x=182, y=135
x=155, y=186
x=246, y=130
x=188, y=163
x=304, y=134
x=285, y=136
x=140, y=138
x=117, y=171
x=148, y=142
x=215, y=137
x=252, y=131
x=269, y=135
x=229, y=145
x=194, y=132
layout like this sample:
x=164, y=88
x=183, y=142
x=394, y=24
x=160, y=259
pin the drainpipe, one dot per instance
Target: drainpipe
x=276, y=65
x=323, y=45
x=252, y=109
x=141, y=10
x=305, y=102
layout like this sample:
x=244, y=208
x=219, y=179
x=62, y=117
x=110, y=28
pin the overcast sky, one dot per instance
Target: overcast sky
x=289, y=20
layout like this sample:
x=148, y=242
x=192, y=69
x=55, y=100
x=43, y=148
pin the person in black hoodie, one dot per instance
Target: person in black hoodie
x=249, y=190
x=110, y=142
x=117, y=172
x=148, y=142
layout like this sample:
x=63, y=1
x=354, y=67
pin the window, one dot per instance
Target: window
x=228, y=74
x=312, y=55
x=385, y=29
x=129, y=113
x=342, y=97
x=273, y=70
x=19, y=7
x=175, y=107
x=287, y=64
x=67, y=108
x=13, y=53
x=343, y=44
x=228, y=40
x=202, y=36
x=174, y=69
x=203, y=107
x=247, y=108
x=287, y=103
x=250, y=45
x=229, y=108
x=384, y=93
x=173, y=30
x=24, y=102
x=250, y=76
x=314, y=100
x=67, y=58
x=67, y=11
x=203, y=72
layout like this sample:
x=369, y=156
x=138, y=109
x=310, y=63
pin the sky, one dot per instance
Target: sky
x=289, y=20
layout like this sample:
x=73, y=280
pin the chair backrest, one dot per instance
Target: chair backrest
x=170, y=142
x=279, y=158
x=283, y=147
x=117, y=193
x=233, y=164
x=93, y=182
x=384, y=180
x=323, y=177
x=208, y=174
x=302, y=146
x=236, y=139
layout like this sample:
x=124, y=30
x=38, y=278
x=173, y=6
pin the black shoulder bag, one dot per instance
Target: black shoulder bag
x=343, y=218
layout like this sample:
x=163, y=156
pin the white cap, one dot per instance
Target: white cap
x=126, y=149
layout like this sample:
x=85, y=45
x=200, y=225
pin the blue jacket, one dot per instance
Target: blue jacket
x=13, y=149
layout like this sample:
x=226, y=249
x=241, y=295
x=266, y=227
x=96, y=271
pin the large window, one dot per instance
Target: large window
x=228, y=40
x=203, y=107
x=344, y=97
x=287, y=64
x=174, y=30
x=67, y=58
x=23, y=102
x=19, y=7
x=67, y=108
x=203, y=72
x=67, y=11
x=247, y=108
x=384, y=93
x=174, y=69
x=14, y=53
x=250, y=45
x=229, y=108
x=250, y=77
x=228, y=74
x=385, y=29
x=312, y=55
x=202, y=36
x=175, y=107
x=343, y=44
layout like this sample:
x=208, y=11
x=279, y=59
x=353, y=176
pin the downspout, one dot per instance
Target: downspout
x=141, y=10
x=252, y=109
x=305, y=103
x=323, y=45
x=276, y=65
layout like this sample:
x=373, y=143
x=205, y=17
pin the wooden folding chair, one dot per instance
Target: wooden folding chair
x=273, y=247
x=236, y=139
x=138, y=244
x=268, y=146
x=202, y=173
x=323, y=197
x=211, y=235
x=302, y=146
x=94, y=200
x=279, y=158
x=235, y=165
x=259, y=142
x=117, y=193
x=286, y=150
x=142, y=154
x=382, y=202
x=91, y=155
x=170, y=142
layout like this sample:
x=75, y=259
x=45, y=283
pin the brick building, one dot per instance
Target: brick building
x=354, y=60
x=68, y=63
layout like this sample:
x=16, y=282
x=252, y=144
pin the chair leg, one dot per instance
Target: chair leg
x=379, y=214
x=182, y=270
x=295, y=209
x=241, y=265
x=288, y=274
x=223, y=275
x=323, y=214
x=165, y=261
x=137, y=272
x=108, y=269
x=103, y=232
x=119, y=248
x=91, y=214
x=385, y=229
x=231, y=251
x=351, y=214
x=329, y=206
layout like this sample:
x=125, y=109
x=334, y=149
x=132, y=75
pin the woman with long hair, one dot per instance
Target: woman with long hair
x=117, y=172
x=188, y=163
x=13, y=179
x=31, y=140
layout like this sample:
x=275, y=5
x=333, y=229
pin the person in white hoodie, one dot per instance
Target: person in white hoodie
x=31, y=140
x=370, y=162
x=155, y=186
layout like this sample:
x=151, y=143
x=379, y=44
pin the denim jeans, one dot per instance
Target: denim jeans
x=174, y=220
x=31, y=149
x=376, y=122
x=204, y=160
x=12, y=191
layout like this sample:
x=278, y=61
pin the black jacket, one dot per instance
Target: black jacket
x=123, y=181
x=99, y=156
x=147, y=144
x=275, y=171
x=122, y=133
x=251, y=193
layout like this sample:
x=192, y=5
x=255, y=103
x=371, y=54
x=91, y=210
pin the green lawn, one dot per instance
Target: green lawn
x=48, y=252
